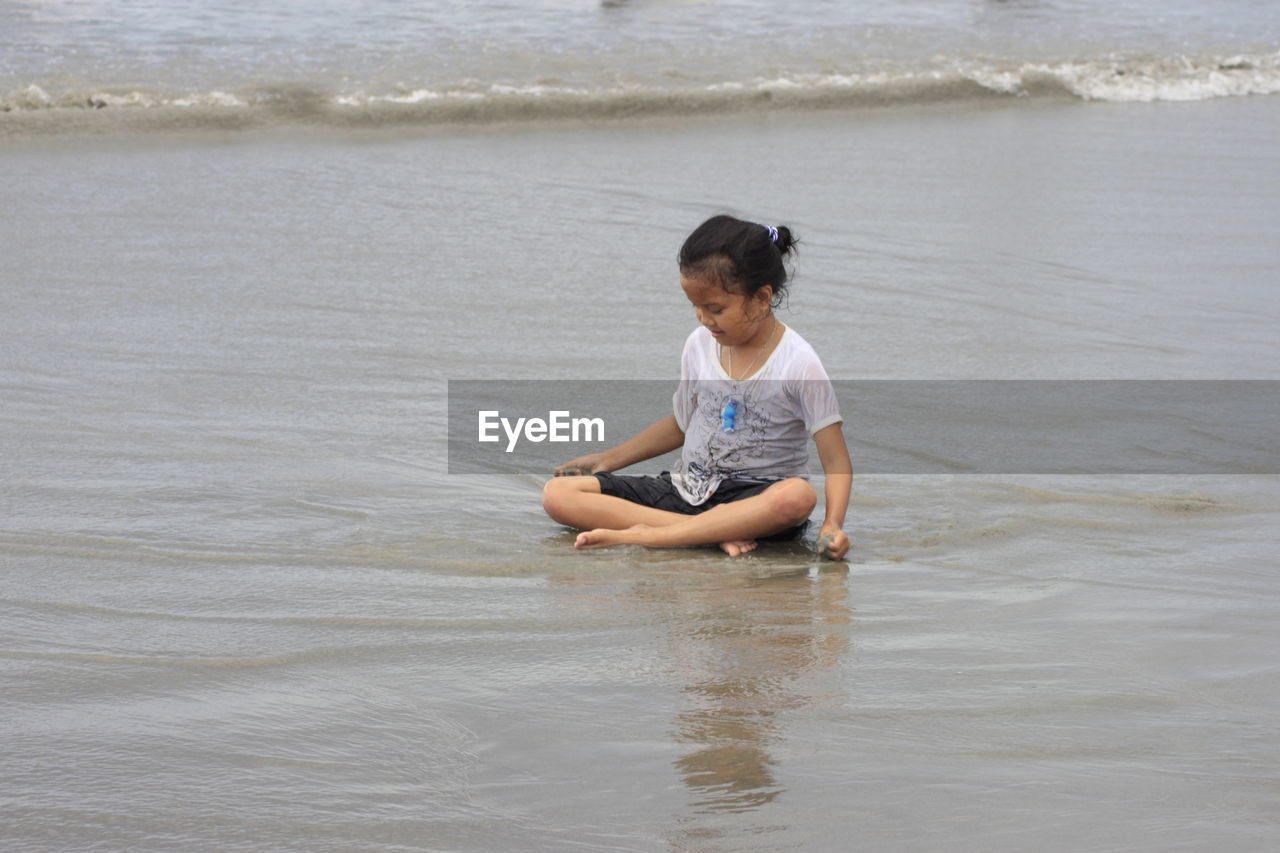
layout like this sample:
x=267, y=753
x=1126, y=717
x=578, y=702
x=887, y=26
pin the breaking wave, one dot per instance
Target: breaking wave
x=1118, y=79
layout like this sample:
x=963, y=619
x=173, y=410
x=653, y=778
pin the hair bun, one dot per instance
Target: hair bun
x=786, y=240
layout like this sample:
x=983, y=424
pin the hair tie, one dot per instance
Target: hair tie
x=773, y=233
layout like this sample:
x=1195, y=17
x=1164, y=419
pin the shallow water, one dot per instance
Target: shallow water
x=245, y=605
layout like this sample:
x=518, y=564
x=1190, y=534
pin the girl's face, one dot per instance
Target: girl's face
x=732, y=319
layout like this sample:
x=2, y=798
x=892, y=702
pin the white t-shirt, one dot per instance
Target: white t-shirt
x=774, y=413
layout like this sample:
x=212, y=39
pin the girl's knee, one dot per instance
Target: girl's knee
x=559, y=493
x=554, y=495
x=793, y=499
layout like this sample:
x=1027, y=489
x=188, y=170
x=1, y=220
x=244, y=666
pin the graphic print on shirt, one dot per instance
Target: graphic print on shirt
x=726, y=452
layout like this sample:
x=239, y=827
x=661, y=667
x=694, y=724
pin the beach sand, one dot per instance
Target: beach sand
x=245, y=605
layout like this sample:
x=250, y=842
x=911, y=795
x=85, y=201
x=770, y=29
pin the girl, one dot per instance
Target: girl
x=751, y=393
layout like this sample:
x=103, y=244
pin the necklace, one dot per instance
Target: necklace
x=759, y=352
x=734, y=407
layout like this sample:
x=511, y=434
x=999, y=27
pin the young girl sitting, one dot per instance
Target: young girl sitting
x=751, y=393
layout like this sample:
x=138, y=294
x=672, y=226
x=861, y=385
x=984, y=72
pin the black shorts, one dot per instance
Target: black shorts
x=660, y=493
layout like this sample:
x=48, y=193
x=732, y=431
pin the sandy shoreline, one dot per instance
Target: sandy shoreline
x=242, y=602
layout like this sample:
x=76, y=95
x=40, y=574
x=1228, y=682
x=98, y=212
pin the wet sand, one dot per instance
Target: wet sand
x=243, y=604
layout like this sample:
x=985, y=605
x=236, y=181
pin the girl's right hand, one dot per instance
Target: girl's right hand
x=592, y=463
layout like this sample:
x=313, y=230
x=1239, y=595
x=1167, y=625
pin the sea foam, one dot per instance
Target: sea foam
x=1114, y=78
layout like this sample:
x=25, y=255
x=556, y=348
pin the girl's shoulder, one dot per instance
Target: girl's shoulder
x=699, y=337
x=699, y=358
x=698, y=342
x=796, y=346
x=797, y=359
x=793, y=357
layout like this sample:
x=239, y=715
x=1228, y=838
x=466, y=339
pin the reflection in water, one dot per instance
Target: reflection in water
x=746, y=651
x=732, y=771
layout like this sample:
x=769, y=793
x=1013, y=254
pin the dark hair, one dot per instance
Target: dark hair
x=740, y=256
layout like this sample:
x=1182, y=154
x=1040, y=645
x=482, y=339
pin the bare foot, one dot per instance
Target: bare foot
x=598, y=538
x=602, y=537
x=738, y=547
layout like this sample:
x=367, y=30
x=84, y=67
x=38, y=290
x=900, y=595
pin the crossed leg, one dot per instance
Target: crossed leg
x=608, y=520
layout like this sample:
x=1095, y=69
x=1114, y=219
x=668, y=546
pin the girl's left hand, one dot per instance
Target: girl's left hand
x=589, y=464
x=832, y=542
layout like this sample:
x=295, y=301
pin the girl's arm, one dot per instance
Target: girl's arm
x=663, y=437
x=839, y=483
